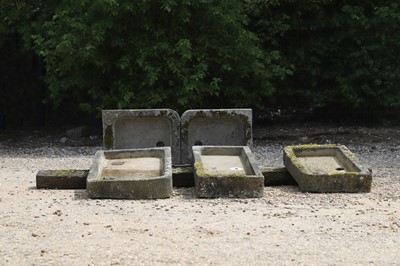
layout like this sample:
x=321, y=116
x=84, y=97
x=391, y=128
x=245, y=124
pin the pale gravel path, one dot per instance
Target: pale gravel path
x=285, y=227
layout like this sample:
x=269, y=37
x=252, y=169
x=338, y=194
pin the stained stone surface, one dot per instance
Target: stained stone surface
x=221, y=127
x=326, y=168
x=226, y=171
x=61, y=179
x=131, y=174
x=142, y=128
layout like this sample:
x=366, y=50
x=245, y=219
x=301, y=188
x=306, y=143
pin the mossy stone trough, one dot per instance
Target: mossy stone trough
x=226, y=171
x=326, y=168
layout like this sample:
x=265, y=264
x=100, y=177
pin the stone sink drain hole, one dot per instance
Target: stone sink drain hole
x=236, y=169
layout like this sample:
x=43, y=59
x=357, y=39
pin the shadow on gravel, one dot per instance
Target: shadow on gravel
x=80, y=194
x=285, y=189
x=184, y=193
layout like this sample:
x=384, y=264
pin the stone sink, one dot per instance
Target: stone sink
x=142, y=128
x=214, y=127
x=131, y=174
x=226, y=171
x=326, y=168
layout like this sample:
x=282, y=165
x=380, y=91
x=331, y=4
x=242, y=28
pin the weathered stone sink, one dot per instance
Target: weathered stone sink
x=222, y=127
x=326, y=168
x=142, y=128
x=131, y=174
x=226, y=171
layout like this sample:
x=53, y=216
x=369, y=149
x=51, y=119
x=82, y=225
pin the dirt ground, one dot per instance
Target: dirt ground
x=285, y=227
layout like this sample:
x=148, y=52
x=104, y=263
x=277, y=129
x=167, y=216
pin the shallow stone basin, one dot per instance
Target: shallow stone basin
x=224, y=165
x=134, y=167
x=226, y=171
x=326, y=168
x=132, y=174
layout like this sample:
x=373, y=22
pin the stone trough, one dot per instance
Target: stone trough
x=151, y=150
x=226, y=171
x=326, y=168
x=131, y=174
x=222, y=127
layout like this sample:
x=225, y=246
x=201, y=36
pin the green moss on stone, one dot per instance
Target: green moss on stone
x=337, y=173
x=68, y=172
x=312, y=146
x=198, y=166
x=201, y=172
x=237, y=176
x=289, y=151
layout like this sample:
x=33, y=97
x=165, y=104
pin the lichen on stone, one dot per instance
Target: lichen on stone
x=198, y=166
x=68, y=172
x=236, y=176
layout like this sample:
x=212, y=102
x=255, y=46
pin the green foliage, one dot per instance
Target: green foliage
x=197, y=54
x=341, y=53
x=143, y=54
x=19, y=67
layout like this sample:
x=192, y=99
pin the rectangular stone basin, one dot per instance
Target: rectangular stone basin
x=142, y=128
x=226, y=171
x=216, y=127
x=131, y=174
x=326, y=168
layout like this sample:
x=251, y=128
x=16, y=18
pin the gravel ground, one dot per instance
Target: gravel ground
x=285, y=227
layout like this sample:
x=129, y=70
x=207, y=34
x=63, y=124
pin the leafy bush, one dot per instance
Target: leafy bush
x=143, y=54
x=20, y=101
x=198, y=54
x=341, y=53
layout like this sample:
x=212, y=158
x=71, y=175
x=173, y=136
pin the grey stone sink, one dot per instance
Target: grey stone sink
x=142, y=128
x=219, y=127
x=326, y=168
x=226, y=171
x=131, y=174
